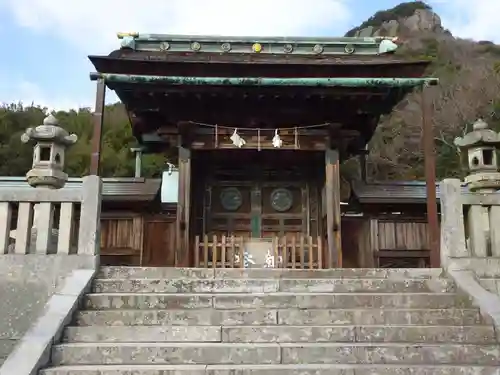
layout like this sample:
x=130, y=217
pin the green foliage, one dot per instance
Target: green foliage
x=429, y=51
x=492, y=49
x=449, y=162
x=496, y=67
x=116, y=159
x=402, y=10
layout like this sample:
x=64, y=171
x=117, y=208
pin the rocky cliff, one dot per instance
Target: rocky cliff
x=405, y=19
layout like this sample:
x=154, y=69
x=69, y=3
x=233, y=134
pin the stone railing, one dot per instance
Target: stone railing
x=470, y=232
x=35, y=232
x=46, y=263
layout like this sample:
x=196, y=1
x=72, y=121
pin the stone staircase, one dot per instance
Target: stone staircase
x=160, y=321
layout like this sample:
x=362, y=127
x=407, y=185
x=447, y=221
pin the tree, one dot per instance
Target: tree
x=116, y=158
x=469, y=89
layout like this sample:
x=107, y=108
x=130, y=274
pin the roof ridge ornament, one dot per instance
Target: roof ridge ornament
x=387, y=46
x=128, y=39
x=340, y=46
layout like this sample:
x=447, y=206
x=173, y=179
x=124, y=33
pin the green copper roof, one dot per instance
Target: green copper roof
x=257, y=45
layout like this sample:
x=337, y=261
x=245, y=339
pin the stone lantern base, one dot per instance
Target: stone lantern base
x=48, y=178
x=483, y=182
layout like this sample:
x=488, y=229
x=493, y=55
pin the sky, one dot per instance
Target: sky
x=45, y=43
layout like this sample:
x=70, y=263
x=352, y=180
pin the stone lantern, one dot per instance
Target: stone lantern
x=481, y=146
x=51, y=142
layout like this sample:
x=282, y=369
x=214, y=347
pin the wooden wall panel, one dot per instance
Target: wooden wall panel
x=134, y=239
x=159, y=242
x=402, y=235
x=386, y=242
x=393, y=241
x=352, y=242
x=121, y=238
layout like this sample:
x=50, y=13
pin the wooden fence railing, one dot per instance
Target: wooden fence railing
x=305, y=252
x=219, y=252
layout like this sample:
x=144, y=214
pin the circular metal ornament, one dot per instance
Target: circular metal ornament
x=288, y=48
x=281, y=199
x=231, y=199
x=164, y=46
x=195, y=46
x=349, y=49
x=257, y=47
x=318, y=48
x=226, y=47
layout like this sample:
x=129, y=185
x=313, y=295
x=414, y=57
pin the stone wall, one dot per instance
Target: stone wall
x=26, y=284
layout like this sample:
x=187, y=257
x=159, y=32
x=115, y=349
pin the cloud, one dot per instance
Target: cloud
x=30, y=93
x=476, y=20
x=91, y=25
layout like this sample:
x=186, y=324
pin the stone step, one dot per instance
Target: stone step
x=295, y=369
x=283, y=334
x=271, y=285
x=368, y=334
x=143, y=334
x=362, y=316
x=199, y=317
x=258, y=273
x=283, y=353
x=228, y=301
x=385, y=316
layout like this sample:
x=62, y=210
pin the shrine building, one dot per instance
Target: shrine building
x=256, y=128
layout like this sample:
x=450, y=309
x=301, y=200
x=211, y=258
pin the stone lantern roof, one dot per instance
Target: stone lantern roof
x=481, y=134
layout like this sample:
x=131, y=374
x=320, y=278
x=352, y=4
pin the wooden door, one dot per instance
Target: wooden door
x=284, y=209
x=253, y=209
x=159, y=242
x=352, y=230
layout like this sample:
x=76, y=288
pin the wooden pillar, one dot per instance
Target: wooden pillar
x=256, y=211
x=430, y=181
x=332, y=196
x=182, y=253
x=98, y=120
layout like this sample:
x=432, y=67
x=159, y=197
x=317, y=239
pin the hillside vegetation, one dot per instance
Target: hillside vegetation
x=469, y=73
x=469, y=88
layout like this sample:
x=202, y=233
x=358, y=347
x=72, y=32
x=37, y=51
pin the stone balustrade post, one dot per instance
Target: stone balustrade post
x=453, y=244
x=89, y=239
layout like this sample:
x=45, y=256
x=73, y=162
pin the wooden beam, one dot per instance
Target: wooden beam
x=332, y=196
x=348, y=82
x=182, y=254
